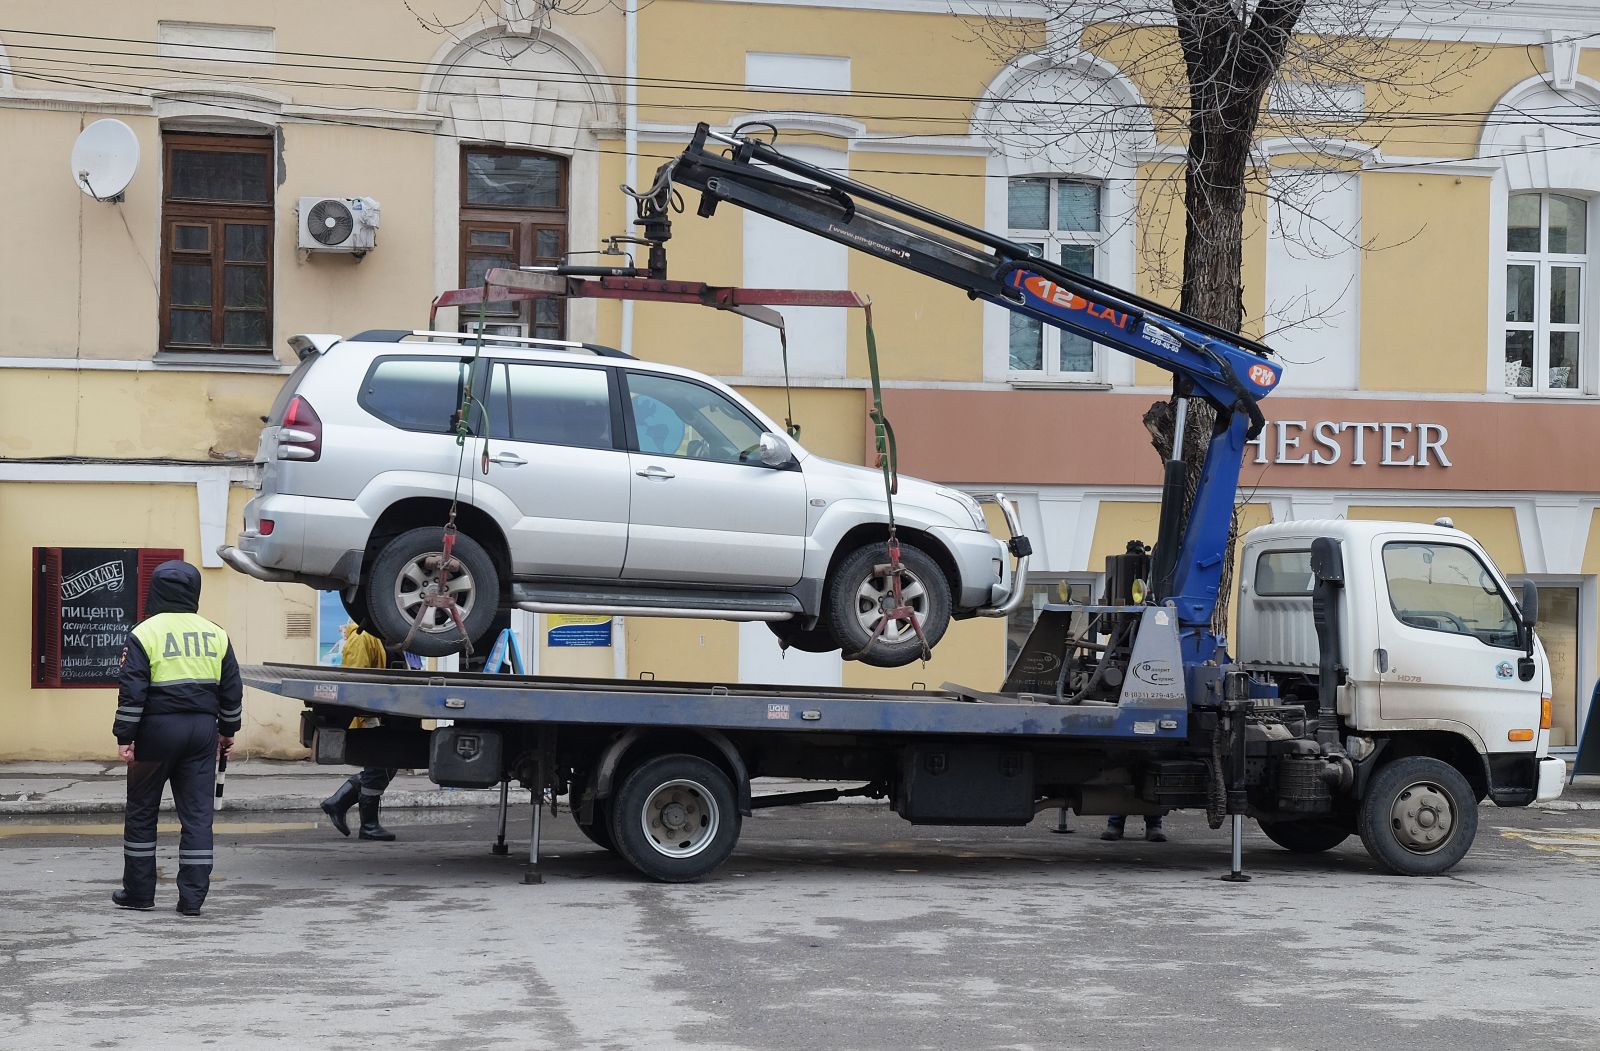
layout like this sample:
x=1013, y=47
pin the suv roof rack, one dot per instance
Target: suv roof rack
x=395, y=335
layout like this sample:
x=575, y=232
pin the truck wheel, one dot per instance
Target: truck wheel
x=1418, y=817
x=818, y=640
x=1306, y=837
x=405, y=573
x=857, y=593
x=675, y=818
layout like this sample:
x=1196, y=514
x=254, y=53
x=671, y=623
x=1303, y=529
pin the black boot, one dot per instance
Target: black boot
x=1152, y=830
x=1114, y=825
x=338, y=805
x=370, y=829
x=122, y=900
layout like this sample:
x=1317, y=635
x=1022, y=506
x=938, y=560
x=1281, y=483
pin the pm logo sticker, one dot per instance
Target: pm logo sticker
x=1261, y=375
x=1503, y=670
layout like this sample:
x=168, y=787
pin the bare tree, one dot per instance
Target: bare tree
x=1216, y=79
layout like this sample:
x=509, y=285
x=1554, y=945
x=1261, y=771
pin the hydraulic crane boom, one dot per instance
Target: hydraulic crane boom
x=1227, y=370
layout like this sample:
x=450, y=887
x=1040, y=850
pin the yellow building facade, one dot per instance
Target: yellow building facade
x=1428, y=290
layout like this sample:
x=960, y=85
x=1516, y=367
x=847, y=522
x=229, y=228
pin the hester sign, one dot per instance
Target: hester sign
x=1326, y=442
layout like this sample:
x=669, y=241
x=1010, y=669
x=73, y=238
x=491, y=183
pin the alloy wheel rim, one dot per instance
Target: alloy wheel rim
x=874, y=598
x=419, y=581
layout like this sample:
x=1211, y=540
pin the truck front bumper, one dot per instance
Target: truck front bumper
x=1552, y=779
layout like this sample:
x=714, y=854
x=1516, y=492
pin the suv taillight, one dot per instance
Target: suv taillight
x=300, y=435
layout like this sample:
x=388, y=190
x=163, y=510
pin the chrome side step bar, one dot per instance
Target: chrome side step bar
x=658, y=611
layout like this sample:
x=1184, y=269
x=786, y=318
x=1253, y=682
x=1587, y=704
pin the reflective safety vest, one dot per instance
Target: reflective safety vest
x=183, y=648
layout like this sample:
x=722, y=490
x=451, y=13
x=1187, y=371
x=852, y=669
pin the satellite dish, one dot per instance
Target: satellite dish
x=104, y=159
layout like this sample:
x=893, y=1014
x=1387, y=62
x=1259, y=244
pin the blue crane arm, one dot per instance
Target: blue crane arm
x=1228, y=370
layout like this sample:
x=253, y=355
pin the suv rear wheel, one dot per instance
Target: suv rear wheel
x=405, y=576
x=858, y=593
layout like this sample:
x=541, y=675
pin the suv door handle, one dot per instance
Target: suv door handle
x=660, y=473
x=507, y=459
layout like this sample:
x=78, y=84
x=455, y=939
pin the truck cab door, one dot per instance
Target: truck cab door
x=1449, y=641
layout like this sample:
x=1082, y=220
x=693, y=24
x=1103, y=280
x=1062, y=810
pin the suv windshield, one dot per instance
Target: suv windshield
x=1442, y=587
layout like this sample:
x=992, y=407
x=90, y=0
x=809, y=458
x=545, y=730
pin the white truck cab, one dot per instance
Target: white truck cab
x=1435, y=656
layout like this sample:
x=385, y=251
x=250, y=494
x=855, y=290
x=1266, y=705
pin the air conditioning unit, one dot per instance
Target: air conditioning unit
x=338, y=224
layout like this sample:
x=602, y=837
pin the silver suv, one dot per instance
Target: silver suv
x=592, y=482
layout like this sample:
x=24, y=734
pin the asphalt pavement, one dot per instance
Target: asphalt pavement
x=831, y=927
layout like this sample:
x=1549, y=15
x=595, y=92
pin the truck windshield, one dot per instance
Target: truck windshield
x=1442, y=587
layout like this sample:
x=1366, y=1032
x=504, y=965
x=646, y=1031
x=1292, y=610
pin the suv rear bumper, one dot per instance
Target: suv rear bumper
x=314, y=541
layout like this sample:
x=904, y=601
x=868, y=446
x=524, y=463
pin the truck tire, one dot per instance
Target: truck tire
x=1311, y=836
x=401, y=575
x=818, y=640
x=675, y=818
x=855, y=592
x=1418, y=816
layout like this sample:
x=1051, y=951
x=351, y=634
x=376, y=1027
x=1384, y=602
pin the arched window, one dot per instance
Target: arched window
x=1546, y=254
x=1062, y=132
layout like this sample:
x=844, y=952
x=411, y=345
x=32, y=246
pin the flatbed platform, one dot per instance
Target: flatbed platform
x=649, y=702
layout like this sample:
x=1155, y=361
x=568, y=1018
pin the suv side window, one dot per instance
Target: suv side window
x=415, y=394
x=1442, y=587
x=678, y=417
x=550, y=405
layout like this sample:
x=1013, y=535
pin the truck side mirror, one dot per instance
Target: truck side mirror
x=1530, y=603
x=1327, y=560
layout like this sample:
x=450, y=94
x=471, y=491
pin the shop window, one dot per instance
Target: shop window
x=216, y=243
x=513, y=213
x=1059, y=219
x=1546, y=256
x=1558, y=631
x=1042, y=591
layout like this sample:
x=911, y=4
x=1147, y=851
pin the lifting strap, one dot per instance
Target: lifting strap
x=446, y=564
x=899, y=611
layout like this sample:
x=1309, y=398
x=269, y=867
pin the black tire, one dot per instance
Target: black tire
x=599, y=832
x=389, y=592
x=818, y=640
x=1309, y=836
x=1418, y=817
x=847, y=602
x=675, y=818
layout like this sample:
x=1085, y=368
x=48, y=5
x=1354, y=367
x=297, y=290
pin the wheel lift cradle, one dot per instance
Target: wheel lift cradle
x=952, y=756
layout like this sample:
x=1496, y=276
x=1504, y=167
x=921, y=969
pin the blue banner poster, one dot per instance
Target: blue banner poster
x=577, y=629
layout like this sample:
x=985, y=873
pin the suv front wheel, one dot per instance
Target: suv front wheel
x=405, y=575
x=859, y=593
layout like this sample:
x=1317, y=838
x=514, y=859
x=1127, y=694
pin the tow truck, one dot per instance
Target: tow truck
x=1383, y=682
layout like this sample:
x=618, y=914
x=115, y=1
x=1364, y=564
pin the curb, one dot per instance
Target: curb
x=393, y=800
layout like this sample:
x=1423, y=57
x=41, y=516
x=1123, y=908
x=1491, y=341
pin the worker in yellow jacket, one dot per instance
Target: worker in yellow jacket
x=362, y=649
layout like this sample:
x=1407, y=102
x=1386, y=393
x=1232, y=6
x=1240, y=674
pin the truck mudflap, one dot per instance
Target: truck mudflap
x=1552, y=778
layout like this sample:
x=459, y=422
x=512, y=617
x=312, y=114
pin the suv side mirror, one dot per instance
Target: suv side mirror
x=775, y=452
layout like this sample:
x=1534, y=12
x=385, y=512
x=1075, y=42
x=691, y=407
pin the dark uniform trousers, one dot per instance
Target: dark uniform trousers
x=180, y=749
x=374, y=779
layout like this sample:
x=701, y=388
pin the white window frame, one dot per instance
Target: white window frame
x=1543, y=262
x=1052, y=240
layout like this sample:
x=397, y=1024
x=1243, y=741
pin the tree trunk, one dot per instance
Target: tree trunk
x=1230, y=58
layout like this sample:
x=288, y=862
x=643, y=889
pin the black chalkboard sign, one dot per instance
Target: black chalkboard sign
x=1588, y=758
x=85, y=601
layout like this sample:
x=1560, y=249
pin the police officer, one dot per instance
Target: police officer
x=180, y=690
